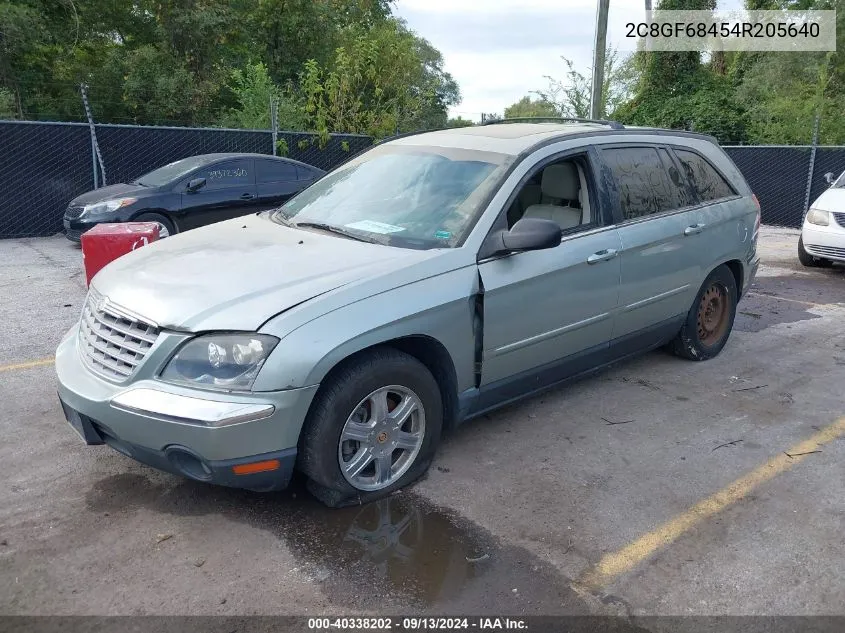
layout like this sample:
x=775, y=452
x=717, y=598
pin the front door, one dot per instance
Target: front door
x=550, y=313
x=543, y=306
x=229, y=192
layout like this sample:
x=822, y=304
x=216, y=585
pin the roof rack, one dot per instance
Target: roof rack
x=614, y=125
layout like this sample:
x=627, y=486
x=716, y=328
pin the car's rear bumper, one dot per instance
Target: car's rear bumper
x=178, y=442
x=827, y=242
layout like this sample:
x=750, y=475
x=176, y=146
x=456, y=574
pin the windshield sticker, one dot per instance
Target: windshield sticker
x=375, y=227
x=443, y=235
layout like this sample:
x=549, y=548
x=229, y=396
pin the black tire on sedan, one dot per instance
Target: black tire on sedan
x=810, y=260
x=710, y=319
x=165, y=226
x=373, y=428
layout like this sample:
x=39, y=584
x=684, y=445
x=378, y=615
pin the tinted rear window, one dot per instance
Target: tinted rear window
x=676, y=180
x=707, y=183
x=274, y=171
x=642, y=180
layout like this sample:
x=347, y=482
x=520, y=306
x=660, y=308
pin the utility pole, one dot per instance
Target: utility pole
x=647, y=5
x=598, y=59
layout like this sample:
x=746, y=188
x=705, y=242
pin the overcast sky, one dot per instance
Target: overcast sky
x=500, y=50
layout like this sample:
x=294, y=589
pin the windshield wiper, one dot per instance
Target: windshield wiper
x=329, y=228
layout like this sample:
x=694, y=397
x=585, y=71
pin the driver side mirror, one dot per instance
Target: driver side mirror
x=829, y=177
x=528, y=234
x=195, y=185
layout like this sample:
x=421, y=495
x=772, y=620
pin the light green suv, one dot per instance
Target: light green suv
x=424, y=282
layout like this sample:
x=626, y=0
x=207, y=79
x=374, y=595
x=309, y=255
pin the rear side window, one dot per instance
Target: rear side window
x=676, y=181
x=707, y=183
x=642, y=180
x=274, y=171
x=305, y=173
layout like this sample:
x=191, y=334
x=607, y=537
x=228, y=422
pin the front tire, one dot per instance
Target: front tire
x=803, y=256
x=373, y=428
x=710, y=319
x=165, y=226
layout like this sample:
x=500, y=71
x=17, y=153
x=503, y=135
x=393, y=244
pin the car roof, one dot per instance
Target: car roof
x=515, y=138
x=210, y=158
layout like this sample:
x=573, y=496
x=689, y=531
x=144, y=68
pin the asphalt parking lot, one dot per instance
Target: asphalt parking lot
x=660, y=486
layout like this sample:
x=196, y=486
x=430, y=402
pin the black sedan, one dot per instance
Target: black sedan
x=193, y=192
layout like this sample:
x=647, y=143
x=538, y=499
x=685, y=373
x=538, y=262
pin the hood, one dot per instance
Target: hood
x=108, y=193
x=831, y=200
x=237, y=274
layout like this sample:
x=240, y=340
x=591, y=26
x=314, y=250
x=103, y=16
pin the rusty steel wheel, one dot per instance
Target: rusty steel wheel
x=710, y=318
x=713, y=310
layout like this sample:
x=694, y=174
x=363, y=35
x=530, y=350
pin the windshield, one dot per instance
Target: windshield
x=407, y=196
x=839, y=183
x=172, y=171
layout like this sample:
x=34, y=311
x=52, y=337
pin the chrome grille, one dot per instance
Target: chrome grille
x=73, y=212
x=840, y=218
x=825, y=251
x=112, y=343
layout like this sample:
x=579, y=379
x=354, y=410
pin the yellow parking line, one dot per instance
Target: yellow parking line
x=614, y=564
x=27, y=365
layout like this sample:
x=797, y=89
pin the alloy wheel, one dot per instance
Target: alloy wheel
x=381, y=438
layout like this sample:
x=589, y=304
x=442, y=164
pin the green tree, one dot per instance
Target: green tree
x=460, y=122
x=676, y=90
x=570, y=97
x=783, y=92
x=7, y=104
x=526, y=107
x=254, y=90
x=353, y=93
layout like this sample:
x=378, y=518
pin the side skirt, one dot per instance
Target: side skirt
x=476, y=402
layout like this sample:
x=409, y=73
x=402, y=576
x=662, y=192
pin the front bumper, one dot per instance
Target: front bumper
x=827, y=242
x=75, y=228
x=177, y=443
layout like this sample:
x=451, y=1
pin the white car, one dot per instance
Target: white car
x=822, y=240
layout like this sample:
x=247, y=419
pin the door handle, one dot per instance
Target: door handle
x=247, y=196
x=695, y=229
x=602, y=256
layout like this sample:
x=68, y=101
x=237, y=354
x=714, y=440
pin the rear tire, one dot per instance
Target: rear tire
x=165, y=226
x=710, y=319
x=392, y=404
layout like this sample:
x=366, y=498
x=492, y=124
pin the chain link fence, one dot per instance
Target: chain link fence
x=43, y=166
x=786, y=179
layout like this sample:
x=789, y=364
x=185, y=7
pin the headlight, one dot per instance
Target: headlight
x=817, y=216
x=107, y=206
x=229, y=362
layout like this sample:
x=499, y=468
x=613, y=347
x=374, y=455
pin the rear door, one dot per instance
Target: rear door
x=722, y=221
x=277, y=181
x=657, y=220
x=229, y=192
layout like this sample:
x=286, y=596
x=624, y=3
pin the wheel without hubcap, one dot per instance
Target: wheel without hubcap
x=381, y=438
x=713, y=313
x=710, y=318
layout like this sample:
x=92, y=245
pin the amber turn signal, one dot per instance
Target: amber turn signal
x=256, y=467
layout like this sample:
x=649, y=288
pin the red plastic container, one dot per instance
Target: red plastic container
x=106, y=242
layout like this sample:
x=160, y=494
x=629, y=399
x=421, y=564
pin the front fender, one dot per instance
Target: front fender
x=439, y=307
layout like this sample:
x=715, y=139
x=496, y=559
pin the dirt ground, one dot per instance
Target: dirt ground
x=660, y=486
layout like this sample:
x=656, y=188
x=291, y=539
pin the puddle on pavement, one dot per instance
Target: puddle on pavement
x=400, y=550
